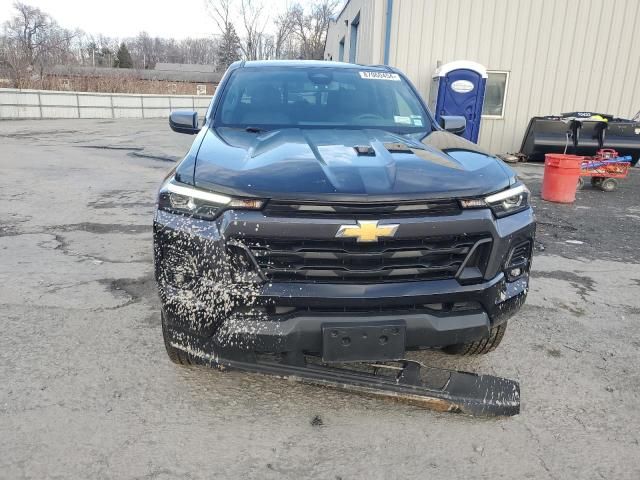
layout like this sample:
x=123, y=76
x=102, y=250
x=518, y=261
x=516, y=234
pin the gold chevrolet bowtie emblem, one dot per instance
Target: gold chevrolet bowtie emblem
x=367, y=230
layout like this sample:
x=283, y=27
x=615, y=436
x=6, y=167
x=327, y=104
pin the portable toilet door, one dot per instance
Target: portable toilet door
x=458, y=89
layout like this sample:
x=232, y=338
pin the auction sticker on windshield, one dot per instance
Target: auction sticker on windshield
x=380, y=76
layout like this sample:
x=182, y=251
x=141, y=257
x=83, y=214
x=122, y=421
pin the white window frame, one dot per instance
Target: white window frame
x=504, y=97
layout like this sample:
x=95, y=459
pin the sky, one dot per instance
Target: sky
x=126, y=18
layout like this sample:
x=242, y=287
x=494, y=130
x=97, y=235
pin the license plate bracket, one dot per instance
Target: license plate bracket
x=363, y=342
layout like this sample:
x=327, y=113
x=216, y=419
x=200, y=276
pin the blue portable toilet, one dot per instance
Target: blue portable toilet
x=458, y=89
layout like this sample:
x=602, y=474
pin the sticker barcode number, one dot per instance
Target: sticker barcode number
x=380, y=76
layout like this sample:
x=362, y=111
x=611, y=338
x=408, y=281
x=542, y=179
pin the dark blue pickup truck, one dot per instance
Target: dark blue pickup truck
x=321, y=212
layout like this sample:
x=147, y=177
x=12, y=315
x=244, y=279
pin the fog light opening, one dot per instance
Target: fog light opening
x=518, y=261
x=515, y=272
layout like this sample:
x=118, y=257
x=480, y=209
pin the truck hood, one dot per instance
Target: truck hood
x=321, y=163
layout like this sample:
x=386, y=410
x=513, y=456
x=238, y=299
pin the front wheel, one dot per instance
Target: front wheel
x=609, y=185
x=479, y=347
x=176, y=355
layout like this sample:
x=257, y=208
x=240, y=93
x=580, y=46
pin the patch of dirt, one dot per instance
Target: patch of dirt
x=112, y=147
x=584, y=285
x=554, y=352
x=136, y=289
x=99, y=228
x=32, y=134
x=162, y=158
x=120, y=199
x=8, y=230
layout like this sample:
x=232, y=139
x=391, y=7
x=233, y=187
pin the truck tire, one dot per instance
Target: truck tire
x=176, y=355
x=479, y=347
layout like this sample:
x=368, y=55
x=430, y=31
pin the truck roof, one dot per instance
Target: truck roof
x=308, y=63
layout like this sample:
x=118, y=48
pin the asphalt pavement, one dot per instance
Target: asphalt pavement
x=87, y=391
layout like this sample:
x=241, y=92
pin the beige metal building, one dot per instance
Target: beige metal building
x=544, y=57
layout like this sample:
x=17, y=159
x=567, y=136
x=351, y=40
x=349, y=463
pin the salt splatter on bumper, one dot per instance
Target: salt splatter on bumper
x=216, y=300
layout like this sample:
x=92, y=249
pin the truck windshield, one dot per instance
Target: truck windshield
x=323, y=97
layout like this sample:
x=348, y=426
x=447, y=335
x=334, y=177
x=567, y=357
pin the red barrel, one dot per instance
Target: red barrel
x=561, y=174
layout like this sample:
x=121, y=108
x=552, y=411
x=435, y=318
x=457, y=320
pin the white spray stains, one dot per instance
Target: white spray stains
x=210, y=290
x=214, y=291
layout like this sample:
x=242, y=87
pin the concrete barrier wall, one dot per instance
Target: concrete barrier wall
x=16, y=103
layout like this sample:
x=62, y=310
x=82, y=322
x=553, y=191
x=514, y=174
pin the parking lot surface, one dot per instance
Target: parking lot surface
x=87, y=391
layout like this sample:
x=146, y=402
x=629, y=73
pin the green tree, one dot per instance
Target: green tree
x=123, y=58
x=229, y=48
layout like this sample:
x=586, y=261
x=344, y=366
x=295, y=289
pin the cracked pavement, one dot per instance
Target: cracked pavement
x=87, y=391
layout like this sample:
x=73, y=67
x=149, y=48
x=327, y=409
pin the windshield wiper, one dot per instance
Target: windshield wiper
x=254, y=129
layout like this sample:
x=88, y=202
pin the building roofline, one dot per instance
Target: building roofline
x=342, y=11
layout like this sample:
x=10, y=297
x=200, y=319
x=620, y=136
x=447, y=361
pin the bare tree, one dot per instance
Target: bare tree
x=254, y=24
x=142, y=51
x=299, y=32
x=267, y=47
x=311, y=28
x=285, y=24
x=80, y=50
x=32, y=41
x=199, y=50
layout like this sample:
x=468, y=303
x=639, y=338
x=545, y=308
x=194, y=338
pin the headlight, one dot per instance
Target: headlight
x=503, y=203
x=187, y=200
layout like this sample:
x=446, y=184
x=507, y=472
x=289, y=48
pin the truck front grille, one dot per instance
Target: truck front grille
x=344, y=260
x=362, y=210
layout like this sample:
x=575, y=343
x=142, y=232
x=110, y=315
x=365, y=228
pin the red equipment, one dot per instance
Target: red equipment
x=604, y=169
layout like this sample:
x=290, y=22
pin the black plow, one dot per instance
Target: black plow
x=405, y=381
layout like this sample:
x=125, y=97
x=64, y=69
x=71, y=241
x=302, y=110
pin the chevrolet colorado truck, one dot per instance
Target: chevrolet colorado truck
x=322, y=212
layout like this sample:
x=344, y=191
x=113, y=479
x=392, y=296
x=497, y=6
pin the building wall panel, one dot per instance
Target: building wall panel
x=562, y=55
x=370, y=31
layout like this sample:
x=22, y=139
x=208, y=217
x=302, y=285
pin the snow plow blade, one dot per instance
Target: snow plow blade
x=404, y=381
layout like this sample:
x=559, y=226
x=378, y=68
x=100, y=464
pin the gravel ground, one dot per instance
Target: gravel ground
x=88, y=392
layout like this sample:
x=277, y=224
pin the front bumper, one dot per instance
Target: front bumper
x=215, y=304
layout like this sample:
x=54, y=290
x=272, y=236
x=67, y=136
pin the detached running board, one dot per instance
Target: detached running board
x=405, y=381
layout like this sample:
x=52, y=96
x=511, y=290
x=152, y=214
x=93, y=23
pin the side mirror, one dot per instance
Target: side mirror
x=184, y=121
x=453, y=124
